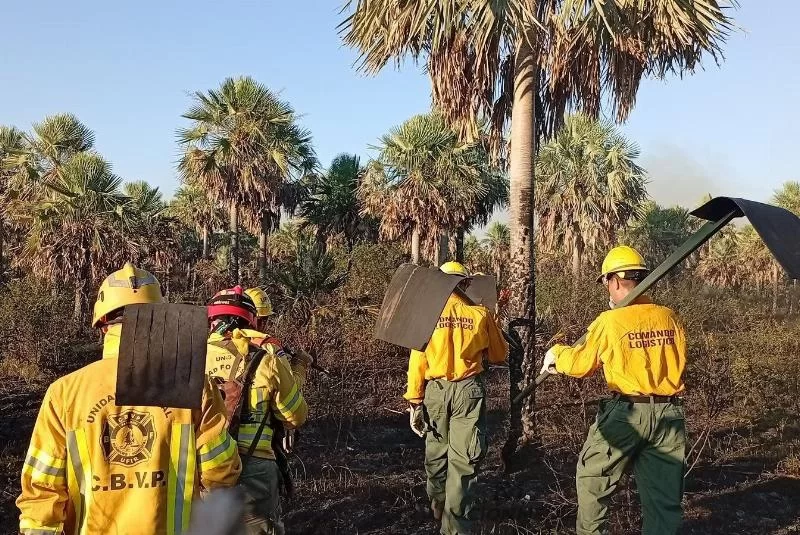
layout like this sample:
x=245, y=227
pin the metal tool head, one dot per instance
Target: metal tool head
x=778, y=227
x=162, y=356
x=411, y=307
x=483, y=291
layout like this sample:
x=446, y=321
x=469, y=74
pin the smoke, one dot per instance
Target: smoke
x=676, y=178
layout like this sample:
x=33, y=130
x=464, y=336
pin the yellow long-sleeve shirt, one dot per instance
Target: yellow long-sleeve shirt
x=298, y=365
x=463, y=336
x=642, y=348
x=274, y=390
x=95, y=467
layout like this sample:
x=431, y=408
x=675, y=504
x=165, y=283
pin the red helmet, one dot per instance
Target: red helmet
x=232, y=302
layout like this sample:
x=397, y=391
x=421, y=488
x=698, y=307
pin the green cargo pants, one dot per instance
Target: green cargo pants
x=454, y=448
x=260, y=481
x=651, y=437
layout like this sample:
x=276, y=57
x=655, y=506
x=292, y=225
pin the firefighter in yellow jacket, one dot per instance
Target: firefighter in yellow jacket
x=94, y=467
x=642, y=350
x=448, y=405
x=298, y=360
x=274, y=393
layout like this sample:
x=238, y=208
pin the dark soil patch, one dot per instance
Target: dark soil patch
x=365, y=476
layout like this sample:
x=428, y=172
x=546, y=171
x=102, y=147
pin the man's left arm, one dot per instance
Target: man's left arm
x=417, y=366
x=584, y=359
x=498, y=347
x=44, y=494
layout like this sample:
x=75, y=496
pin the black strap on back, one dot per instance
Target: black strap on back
x=254, y=360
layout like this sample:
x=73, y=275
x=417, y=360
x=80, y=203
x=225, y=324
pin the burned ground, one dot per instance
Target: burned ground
x=363, y=474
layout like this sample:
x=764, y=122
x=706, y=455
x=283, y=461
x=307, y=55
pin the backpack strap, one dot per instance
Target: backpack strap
x=249, y=374
x=254, y=443
x=235, y=366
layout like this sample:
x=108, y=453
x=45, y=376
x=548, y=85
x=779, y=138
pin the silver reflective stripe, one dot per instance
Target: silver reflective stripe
x=180, y=486
x=38, y=532
x=205, y=457
x=287, y=406
x=114, y=282
x=36, y=464
x=75, y=458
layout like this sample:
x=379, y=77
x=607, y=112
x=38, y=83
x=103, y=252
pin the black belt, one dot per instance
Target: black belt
x=648, y=399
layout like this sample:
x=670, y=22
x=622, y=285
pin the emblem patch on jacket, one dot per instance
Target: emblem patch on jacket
x=128, y=437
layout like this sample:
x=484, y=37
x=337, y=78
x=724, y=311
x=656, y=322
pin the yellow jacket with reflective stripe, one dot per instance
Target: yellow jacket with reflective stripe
x=299, y=369
x=464, y=335
x=94, y=467
x=642, y=348
x=274, y=391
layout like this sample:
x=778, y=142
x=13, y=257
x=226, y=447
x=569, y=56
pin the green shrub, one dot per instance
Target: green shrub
x=38, y=332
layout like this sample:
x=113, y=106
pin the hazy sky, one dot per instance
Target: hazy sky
x=126, y=70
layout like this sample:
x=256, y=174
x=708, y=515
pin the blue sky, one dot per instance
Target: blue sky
x=126, y=69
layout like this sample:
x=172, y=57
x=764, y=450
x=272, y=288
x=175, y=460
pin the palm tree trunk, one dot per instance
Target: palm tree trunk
x=521, y=281
x=775, y=279
x=2, y=237
x=415, y=245
x=168, y=283
x=442, y=249
x=78, y=310
x=205, y=242
x=262, y=248
x=577, y=261
x=321, y=240
x=460, y=245
x=233, y=266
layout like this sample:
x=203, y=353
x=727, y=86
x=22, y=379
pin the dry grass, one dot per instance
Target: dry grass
x=359, y=468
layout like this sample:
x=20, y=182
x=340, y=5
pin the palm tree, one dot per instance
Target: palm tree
x=242, y=146
x=333, y=206
x=77, y=228
x=495, y=197
x=498, y=241
x=659, y=231
x=788, y=197
x=588, y=187
x=53, y=142
x=11, y=143
x=149, y=223
x=718, y=265
x=425, y=182
x=527, y=62
x=196, y=210
x=283, y=242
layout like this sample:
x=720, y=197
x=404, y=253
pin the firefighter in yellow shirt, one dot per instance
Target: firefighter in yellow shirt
x=297, y=359
x=94, y=467
x=274, y=393
x=642, y=349
x=448, y=406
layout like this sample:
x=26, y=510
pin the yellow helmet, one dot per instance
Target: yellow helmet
x=455, y=268
x=262, y=302
x=621, y=259
x=128, y=286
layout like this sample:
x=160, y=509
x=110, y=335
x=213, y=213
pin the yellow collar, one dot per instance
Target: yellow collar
x=241, y=339
x=111, y=341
